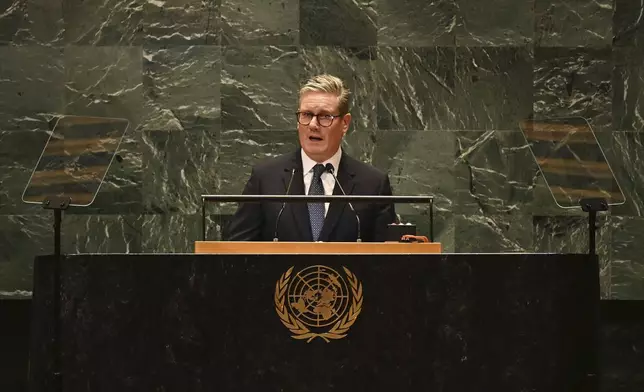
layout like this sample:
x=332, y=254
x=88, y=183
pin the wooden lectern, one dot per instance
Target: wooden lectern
x=310, y=248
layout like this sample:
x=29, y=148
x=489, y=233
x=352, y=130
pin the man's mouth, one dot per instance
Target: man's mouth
x=315, y=138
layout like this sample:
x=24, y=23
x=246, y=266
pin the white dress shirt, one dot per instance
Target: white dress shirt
x=327, y=179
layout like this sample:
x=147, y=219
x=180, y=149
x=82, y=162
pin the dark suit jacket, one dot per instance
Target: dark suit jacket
x=256, y=221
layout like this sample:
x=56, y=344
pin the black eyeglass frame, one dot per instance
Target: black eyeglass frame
x=332, y=116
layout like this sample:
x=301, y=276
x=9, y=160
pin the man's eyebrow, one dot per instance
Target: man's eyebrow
x=323, y=111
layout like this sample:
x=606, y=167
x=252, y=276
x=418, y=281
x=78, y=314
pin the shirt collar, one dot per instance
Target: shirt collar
x=308, y=163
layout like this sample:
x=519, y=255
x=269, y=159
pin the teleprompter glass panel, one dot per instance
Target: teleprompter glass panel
x=75, y=160
x=571, y=161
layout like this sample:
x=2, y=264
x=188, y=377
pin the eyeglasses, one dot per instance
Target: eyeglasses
x=324, y=120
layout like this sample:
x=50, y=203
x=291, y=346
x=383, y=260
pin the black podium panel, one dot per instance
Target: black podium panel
x=493, y=322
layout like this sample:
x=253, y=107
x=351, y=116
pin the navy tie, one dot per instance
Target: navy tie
x=316, y=210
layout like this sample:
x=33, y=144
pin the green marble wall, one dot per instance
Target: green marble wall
x=210, y=87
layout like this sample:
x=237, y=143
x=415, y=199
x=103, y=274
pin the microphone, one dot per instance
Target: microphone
x=279, y=215
x=329, y=167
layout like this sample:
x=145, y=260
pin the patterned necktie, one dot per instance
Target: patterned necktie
x=316, y=210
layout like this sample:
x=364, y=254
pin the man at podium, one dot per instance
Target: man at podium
x=323, y=119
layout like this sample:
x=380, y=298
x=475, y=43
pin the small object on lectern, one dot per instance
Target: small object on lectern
x=396, y=231
x=414, y=238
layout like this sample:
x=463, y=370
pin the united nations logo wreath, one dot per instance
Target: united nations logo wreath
x=299, y=330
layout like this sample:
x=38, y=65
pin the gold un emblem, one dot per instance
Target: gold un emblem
x=317, y=302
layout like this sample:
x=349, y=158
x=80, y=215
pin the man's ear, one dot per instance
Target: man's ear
x=346, y=121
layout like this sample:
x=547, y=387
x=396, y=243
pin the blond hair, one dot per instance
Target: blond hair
x=329, y=84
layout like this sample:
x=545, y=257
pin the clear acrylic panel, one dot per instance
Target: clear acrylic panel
x=75, y=160
x=571, y=161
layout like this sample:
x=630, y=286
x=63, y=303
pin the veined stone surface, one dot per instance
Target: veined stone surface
x=439, y=93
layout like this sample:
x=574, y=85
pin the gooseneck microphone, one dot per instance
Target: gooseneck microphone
x=279, y=215
x=329, y=167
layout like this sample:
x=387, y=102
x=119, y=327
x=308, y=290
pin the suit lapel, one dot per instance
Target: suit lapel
x=345, y=178
x=299, y=210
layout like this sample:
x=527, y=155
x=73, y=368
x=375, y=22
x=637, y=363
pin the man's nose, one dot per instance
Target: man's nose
x=314, y=122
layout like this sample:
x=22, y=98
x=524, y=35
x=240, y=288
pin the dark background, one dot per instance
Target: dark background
x=456, y=322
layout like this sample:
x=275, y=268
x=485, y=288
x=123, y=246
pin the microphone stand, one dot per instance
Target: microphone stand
x=330, y=169
x=279, y=215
